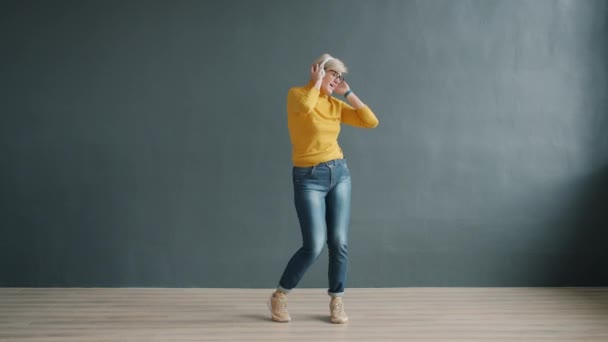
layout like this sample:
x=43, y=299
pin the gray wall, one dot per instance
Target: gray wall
x=145, y=143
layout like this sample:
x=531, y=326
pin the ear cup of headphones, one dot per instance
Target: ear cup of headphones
x=322, y=66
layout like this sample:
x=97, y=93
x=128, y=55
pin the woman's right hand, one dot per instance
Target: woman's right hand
x=316, y=73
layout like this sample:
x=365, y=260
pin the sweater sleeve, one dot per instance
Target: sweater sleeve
x=363, y=117
x=302, y=100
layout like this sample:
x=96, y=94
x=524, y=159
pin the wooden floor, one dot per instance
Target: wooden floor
x=395, y=314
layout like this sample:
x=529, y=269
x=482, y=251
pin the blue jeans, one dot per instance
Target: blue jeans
x=322, y=200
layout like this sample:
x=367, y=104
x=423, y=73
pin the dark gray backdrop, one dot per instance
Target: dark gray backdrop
x=145, y=143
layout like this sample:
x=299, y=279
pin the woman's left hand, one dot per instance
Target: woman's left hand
x=342, y=88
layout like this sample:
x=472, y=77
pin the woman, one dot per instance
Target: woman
x=321, y=179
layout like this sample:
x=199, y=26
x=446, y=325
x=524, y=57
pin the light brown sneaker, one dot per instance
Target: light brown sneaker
x=336, y=307
x=278, y=307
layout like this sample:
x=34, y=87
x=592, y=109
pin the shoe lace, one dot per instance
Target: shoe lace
x=281, y=304
x=337, y=308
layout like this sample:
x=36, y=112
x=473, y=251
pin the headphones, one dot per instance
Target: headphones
x=322, y=65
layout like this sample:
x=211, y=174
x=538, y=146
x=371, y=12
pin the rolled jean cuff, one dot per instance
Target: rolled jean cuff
x=282, y=289
x=338, y=294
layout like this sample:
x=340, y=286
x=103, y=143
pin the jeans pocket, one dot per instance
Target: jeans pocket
x=302, y=173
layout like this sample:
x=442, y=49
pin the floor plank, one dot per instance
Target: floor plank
x=387, y=314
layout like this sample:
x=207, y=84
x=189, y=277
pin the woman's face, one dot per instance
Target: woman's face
x=331, y=80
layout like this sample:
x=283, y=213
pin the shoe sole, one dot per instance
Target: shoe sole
x=339, y=322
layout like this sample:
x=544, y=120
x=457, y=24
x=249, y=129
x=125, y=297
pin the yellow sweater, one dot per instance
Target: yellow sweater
x=314, y=121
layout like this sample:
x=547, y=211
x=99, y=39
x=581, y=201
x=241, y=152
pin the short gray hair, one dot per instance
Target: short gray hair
x=334, y=64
